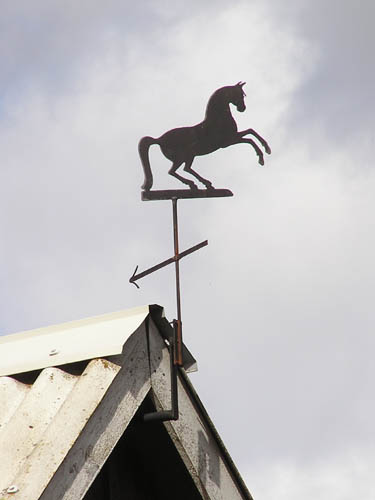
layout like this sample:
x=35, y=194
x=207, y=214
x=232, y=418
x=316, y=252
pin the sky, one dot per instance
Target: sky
x=278, y=308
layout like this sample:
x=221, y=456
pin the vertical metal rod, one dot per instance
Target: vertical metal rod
x=176, y=341
x=178, y=346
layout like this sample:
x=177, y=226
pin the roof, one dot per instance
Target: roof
x=76, y=341
x=59, y=424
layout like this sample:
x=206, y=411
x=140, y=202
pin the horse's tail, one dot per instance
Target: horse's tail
x=143, y=147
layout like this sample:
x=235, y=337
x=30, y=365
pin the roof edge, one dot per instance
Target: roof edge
x=71, y=342
x=80, y=340
x=225, y=454
x=77, y=323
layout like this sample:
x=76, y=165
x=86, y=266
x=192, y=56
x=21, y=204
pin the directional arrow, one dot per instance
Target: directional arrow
x=135, y=277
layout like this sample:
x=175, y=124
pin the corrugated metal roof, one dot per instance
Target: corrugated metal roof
x=69, y=342
x=40, y=422
x=57, y=432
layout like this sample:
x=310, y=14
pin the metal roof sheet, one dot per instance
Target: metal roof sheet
x=42, y=421
x=57, y=432
x=69, y=342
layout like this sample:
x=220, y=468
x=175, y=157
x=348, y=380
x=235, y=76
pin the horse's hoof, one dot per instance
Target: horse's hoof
x=261, y=161
x=268, y=149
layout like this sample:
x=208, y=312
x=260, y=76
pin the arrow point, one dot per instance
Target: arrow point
x=132, y=280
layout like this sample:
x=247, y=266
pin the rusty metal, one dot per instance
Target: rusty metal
x=178, y=346
x=135, y=277
x=169, y=194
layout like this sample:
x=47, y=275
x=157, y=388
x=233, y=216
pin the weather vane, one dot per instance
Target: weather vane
x=181, y=146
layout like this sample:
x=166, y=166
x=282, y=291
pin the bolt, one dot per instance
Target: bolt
x=12, y=489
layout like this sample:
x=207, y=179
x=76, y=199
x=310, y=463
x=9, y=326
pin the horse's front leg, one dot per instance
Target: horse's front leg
x=204, y=181
x=258, y=151
x=259, y=137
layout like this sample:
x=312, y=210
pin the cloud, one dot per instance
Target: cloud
x=277, y=308
x=333, y=101
x=340, y=477
x=71, y=171
x=288, y=278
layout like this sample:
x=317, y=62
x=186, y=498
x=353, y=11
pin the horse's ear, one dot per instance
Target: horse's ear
x=241, y=84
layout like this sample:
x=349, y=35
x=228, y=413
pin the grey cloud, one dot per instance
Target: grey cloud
x=277, y=308
x=48, y=45
x=334, y=100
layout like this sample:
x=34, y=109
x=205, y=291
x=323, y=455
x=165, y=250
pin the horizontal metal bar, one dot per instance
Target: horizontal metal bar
x=135, y=277
x=169, y=194
x=192, y=249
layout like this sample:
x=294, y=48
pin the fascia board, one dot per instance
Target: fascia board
x=70, y=342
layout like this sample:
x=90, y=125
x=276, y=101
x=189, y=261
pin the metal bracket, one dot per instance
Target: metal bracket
x=176, y=345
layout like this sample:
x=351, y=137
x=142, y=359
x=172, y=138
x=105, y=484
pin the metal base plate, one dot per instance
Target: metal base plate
x=170, y=194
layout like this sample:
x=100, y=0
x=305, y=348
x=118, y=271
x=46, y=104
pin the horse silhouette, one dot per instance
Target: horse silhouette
x=218, y=130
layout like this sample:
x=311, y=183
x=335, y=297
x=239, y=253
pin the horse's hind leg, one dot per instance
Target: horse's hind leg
x=204, y=181
x=259, y=137
x=172, y=171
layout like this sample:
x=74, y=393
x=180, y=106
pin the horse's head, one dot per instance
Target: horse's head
x=237, y=96
x=221, y=98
